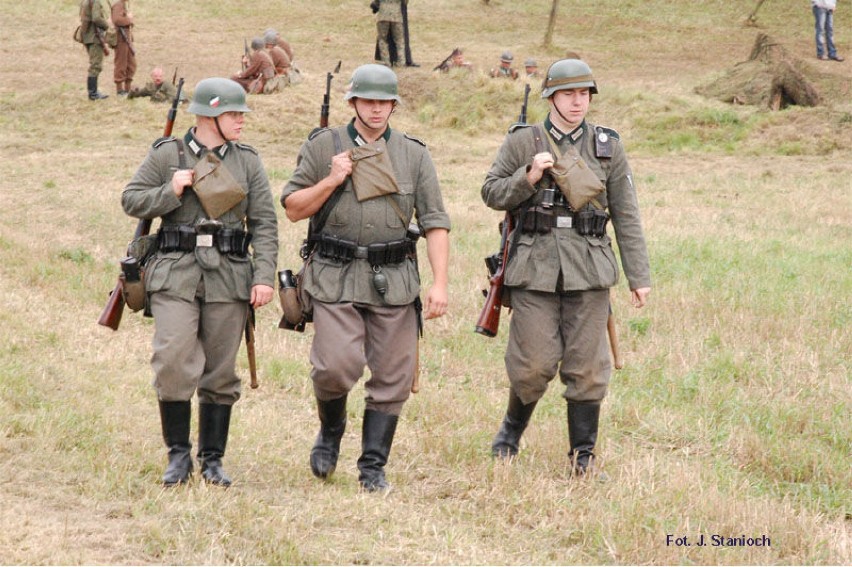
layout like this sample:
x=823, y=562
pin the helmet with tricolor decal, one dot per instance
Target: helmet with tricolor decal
x=216, y=96
x=568, y=74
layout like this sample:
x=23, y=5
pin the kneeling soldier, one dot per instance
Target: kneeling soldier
x=217, y=252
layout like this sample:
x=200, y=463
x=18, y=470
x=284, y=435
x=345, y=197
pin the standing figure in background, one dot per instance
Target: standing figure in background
x=394, y=13
x=125, y=52
x=94, y=22
x=824, y=25
x=562, y=181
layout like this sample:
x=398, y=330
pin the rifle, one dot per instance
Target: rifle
x=326, y=99
x=246, y=53
x=252, y=359
x=123, y=33
x=522, y=119
x=613, y=340
x=489, y=318
x=114, y=309
x=442, y=66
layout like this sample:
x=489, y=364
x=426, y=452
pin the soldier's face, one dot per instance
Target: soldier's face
x=373, y=114
x=231, y=124
x=572, y=106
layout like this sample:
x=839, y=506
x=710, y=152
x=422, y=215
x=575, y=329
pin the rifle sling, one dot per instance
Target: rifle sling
x=317, y=222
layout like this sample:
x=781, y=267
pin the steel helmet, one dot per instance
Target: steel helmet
x=373, y=82
x=216, y=96
x=568, y=74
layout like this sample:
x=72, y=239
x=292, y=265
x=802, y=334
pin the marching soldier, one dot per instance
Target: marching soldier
x=125, y=53
x=361, y=184
x=94, y=23
x=217, y=249
x=561, y=263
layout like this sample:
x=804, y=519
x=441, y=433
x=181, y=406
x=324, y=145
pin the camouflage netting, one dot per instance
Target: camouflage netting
x=771, y=78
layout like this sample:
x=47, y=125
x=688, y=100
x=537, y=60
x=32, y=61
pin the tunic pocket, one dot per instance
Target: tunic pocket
x=601, y=264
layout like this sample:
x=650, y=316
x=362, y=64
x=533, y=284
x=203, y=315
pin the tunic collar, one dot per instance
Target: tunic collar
x=197, y=147
x=358, y=139
x=557, y=134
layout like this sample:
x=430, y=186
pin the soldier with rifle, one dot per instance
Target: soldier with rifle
x=562, y=181
x=361, y=185
x=94, y=21
x=215, y=259
x=125, y=54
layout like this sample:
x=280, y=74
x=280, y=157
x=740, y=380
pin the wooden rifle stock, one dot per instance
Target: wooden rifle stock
x=489, y=318
x=613, y=341
x=252, y=358
x=114, y=309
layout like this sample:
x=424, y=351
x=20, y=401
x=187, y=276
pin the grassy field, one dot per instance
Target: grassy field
x=731, y=417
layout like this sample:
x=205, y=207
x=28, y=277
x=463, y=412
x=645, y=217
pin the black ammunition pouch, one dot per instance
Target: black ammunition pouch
x=377, y=254
x=536, y=220
x=541, y=220
x=591, y=222
x=184, y=238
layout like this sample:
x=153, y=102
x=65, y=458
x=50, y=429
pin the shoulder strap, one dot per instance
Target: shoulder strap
x=317, y=222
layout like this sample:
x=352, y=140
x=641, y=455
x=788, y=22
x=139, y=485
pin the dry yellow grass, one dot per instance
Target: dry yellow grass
x=731, y=417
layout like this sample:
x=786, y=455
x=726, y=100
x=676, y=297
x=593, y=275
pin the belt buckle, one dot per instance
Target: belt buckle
x=203, y=240
x=566, y=221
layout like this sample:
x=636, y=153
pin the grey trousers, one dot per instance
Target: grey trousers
x=195, y=348
x=564, y=332
x=351, y=335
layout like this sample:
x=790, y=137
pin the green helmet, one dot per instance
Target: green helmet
x=216, y=96
x=568, y=74
x=373, y=82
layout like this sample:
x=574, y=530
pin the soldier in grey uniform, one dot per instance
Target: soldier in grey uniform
x=561, y=262
x=362, y=273
x=94, y=23
x=205, y=273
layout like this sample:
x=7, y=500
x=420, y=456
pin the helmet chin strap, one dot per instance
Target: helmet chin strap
x=364, y=122
x=219, y=129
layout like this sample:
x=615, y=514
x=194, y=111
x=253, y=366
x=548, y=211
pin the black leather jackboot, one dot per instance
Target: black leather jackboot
x=326, y=448
x=92, y=85
x=214, y=420
x=175, y=418
x=507, y=441
x=376, y=440
x=583, y=418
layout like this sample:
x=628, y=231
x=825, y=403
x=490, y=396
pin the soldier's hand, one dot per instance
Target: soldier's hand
x=436, y=303
x=182, y=179
x=541, y=163
x=341, y=168
x=638, y=297
x=261, y=295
